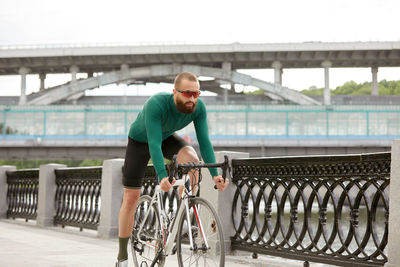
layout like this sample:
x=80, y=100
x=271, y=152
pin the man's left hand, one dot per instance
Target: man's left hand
x=219, y=182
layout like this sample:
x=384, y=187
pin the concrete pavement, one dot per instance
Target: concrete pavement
x=25, y=244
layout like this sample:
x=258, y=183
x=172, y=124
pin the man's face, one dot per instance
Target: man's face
x=184, y=103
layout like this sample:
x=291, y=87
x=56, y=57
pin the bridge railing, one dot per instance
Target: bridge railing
x=330, y=209
x=77, y=197
x=77, y=200
x=230, y=121
x=22, y=193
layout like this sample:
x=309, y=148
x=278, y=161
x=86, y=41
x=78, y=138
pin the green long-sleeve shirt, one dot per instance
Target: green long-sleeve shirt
x=160, y=118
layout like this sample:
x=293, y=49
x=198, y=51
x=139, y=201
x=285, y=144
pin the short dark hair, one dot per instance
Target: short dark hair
x=185, y=76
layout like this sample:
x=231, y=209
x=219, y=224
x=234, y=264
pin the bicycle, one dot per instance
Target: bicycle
x=155, y=236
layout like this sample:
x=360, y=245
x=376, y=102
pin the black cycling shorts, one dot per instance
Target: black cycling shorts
x=138, y=155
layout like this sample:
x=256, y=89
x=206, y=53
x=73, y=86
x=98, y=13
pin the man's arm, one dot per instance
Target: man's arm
x=206, y=148
x=154, y=138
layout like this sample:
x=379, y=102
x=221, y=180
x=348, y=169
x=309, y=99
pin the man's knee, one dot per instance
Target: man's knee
x=131, y=197
x=187, y=154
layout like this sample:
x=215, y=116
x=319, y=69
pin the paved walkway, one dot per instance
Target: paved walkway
x=24, y=244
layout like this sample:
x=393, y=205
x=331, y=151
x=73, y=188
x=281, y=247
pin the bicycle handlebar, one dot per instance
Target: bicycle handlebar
x=175, y=166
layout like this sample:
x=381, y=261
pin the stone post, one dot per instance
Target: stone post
x=111, y=198
x=394, y=208
x=47, y=194
x=222, y=201
x=3, y=189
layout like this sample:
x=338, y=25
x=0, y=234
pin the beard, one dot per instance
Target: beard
x=182, y=107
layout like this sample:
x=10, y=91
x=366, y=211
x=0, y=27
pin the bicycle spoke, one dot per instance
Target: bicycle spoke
x=147, y=249
x=208, y=248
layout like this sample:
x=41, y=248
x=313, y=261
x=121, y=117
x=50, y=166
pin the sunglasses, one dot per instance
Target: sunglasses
x=189, y=94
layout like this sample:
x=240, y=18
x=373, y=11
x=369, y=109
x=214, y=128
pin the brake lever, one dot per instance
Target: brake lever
x=226, y=170
x=173, y=168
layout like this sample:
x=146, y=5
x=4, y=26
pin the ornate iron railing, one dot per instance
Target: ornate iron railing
x=329, y=209
x=22, y=193
x=78, y=197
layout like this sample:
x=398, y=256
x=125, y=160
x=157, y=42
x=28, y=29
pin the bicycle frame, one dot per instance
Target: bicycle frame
x=184, y=207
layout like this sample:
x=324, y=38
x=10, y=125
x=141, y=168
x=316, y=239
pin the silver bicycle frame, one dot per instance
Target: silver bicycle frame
x=184, y=207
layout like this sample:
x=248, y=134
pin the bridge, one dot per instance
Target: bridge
x=266, y=125
x=159, y=63
x=100, y=131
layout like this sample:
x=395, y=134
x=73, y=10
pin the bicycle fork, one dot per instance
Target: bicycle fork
x=199, y=223
x=163, y=226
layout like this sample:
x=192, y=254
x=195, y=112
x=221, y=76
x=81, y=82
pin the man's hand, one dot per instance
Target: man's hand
x=219, y=182
x=165, y=185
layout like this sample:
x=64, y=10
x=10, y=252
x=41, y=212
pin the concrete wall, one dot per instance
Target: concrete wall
x=79, y=150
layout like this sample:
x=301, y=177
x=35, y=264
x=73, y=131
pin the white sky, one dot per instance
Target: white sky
x=205, y=21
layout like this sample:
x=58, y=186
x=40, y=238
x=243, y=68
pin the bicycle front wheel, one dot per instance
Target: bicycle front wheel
x=208, y=243
x=144, y=253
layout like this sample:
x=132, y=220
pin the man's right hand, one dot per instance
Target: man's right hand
x=165, y=185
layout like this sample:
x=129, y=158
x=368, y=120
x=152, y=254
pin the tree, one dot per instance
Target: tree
x=8, y=130
x=353, y=88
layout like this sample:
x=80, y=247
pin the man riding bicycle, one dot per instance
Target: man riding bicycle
x=153, y=135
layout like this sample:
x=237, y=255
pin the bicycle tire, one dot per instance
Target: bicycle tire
x=151, y=232
x=215, y=254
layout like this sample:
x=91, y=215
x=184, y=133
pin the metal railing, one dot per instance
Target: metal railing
x=230, y=121
x=78, y=197
x=22, y=193
x=330, y=209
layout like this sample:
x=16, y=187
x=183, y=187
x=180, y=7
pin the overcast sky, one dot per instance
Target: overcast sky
x=205, y=21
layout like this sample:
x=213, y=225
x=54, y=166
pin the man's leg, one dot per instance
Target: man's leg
x=136, y=159
x=126, y=220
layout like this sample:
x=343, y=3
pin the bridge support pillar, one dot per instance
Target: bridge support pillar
x=327, y=93
x=74, y=71
x=3, y=189
x=42, y=77
x=277, y=65
x=23, y=71
x=111, y=198
x=394, y=210
x=223, y=200
x=47, y=193
x=374, y=89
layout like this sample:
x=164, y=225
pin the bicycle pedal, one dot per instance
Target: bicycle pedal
x=137, y=249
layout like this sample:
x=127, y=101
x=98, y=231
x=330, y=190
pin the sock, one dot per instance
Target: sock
x=123, y=248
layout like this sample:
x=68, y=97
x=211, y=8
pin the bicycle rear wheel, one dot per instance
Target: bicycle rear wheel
x=201, y=213
x=143, y=253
